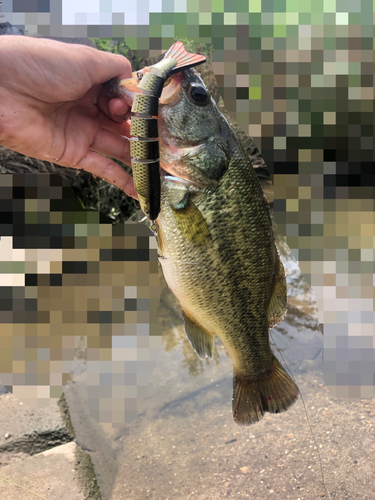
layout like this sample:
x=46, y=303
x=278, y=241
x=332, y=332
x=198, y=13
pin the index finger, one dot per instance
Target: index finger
x=109, y=170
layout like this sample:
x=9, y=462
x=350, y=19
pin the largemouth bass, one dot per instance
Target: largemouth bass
x=216, y=244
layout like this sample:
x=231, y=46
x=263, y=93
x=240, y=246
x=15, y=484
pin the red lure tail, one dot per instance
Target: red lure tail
x=184, y=59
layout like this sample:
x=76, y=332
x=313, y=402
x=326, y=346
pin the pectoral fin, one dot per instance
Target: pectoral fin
x=201, y=341
x=190, y=221
x=278, y=303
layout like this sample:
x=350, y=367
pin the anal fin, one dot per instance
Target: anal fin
x=200, y=339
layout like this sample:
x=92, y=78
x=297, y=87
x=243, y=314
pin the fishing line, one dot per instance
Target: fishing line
x=19, y=486
x=286, y=366
x=307, y=417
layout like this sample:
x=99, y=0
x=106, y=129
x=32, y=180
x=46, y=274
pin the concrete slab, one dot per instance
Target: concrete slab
x=25, y=430
x=50, y=475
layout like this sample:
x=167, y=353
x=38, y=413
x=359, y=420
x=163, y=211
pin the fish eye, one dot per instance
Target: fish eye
x=198, y=94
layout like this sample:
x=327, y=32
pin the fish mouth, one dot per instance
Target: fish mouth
x=163, y=173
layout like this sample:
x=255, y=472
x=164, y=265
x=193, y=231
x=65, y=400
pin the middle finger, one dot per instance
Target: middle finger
x=111, y=144
x=122, y=128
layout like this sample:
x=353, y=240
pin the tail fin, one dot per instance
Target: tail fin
x=184, y=59
x=274, y=393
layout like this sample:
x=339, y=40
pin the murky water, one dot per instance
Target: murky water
x=184, y=443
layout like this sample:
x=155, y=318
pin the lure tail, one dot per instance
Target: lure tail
x=183, y=59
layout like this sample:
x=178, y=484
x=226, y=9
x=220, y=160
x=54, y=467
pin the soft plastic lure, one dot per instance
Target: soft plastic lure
x=144, y=145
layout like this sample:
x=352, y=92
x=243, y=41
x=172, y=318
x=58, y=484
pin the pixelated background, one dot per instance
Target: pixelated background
x=298, y=77
x=68, y=276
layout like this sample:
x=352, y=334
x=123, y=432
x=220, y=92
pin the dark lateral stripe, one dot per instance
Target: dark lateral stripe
x=145, y=104
x=152, y=83
x=144, y=127
x=144, y=149
x=123, y=255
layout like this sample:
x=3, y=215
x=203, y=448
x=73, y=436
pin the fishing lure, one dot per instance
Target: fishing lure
x=144, y=145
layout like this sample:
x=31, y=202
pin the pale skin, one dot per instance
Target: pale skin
x=53, y=107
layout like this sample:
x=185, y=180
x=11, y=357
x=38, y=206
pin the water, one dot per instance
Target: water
x=184, y=443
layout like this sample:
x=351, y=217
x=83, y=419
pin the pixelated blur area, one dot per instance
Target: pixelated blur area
x=74, y=287
x=298, y=77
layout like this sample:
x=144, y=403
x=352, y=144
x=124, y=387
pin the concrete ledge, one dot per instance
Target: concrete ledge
x=51, y=475
x=24, y=430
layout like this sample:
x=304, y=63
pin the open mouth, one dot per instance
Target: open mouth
x=163, y=173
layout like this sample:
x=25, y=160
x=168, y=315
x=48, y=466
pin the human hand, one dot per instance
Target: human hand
x=53, y=107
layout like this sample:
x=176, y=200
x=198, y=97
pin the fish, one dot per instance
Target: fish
x=216, y=245
x=147, y=85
